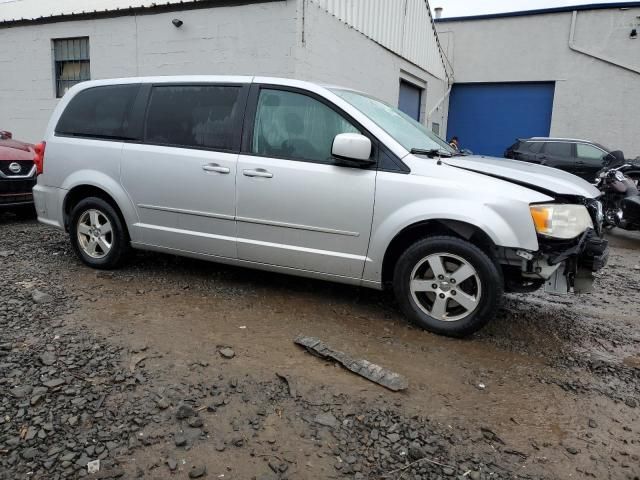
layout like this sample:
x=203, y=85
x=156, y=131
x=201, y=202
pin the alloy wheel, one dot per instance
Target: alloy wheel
x=95, y=234
x=445, y=287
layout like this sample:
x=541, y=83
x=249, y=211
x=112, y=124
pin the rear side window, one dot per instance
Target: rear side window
x=533, y=147
x=100, y=112
x=194, y=116
x=558, y=149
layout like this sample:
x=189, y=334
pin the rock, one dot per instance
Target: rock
x=163, y=403
x=172, y=463
x=592, y=423
x=180, y=440
x=326, y=419
x=572, y=450
x=195, y=422
x=227, y=353
x=631, y=402
x=185, y=411
x=47, y=358
x=197, y=471
x=56, y=382
x=41, y=297
x=393, y=437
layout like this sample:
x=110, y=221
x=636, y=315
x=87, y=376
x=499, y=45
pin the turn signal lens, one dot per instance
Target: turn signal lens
x=542, y=215
x=560, y=220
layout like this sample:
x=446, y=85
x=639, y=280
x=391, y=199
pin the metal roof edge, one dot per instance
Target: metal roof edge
x=541, y=11
x=138, y=10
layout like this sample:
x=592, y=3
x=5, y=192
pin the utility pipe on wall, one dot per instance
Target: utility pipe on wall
x=584, y=51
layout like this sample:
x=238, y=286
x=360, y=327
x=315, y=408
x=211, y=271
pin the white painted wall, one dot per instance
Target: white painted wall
x=256, y=39
x=593, y=99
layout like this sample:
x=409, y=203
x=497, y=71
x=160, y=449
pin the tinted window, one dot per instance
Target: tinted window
x=558, y=149
x=589, y=154
x=100, y=112
x=198, y=116
x=533, y=147
x=292, y=125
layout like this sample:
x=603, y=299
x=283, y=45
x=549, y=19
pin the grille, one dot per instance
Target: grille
x=9, y=187
x=25, y=167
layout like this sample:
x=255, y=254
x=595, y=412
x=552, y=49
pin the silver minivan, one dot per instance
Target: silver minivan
x=323, y=182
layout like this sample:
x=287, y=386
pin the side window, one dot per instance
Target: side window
x=100, y=112
x=558, y=149
x=196, y=116
x=292, y=125
x=589, y=154
x=534, y=147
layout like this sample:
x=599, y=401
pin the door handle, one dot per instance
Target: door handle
x=258, y=172
x=214, y=167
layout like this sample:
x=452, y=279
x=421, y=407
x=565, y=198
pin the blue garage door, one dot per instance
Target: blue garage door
x=487, y=118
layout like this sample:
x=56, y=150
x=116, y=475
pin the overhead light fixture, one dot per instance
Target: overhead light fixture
x=177, y=22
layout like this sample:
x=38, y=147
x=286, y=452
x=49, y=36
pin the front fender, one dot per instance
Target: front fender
x=106, y=183
x=507, y=225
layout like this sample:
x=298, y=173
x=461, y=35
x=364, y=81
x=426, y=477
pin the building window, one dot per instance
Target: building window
x=435, y=128
x=71, y=63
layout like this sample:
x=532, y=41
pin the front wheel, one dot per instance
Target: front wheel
x=97, y=234
x=448, y=286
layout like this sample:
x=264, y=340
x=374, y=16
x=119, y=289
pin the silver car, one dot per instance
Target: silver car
x=329, y=183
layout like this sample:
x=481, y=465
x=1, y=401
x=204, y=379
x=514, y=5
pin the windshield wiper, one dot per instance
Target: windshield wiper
x=431, y=153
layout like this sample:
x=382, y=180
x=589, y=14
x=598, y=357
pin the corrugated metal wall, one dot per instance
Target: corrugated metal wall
x=403, y=26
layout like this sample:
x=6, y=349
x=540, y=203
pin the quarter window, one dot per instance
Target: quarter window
x=101, y=112
x=195, y=116
x=558, y=149
x=296, y=126
x=71, y=62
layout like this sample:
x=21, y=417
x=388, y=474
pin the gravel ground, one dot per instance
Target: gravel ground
x=173, y=368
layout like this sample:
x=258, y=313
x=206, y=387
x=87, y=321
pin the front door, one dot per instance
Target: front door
x=295, y=206
x=590, y=161
x=182, y=177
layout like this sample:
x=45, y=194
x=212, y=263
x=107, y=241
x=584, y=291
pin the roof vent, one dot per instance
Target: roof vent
x=438, y=11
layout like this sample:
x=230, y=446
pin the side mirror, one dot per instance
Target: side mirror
x=4, y=135
x=352, y=148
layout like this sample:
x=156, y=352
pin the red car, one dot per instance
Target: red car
x=17, y=174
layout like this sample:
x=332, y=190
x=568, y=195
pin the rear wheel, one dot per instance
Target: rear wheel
x=448, y=285
x=97, y=234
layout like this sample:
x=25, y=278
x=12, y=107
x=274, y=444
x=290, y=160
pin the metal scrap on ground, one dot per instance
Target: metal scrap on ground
x=370, y=371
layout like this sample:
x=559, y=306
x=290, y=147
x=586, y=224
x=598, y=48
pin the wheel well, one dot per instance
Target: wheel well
x=429, y=228
x=76, y=194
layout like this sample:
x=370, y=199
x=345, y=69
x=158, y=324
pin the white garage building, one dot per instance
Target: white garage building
x=386, y=48
x=564, y=72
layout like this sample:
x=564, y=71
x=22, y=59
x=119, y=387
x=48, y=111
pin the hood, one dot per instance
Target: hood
x=15, y=150
x=537, y=177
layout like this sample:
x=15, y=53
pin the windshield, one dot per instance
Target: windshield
x=404, y=129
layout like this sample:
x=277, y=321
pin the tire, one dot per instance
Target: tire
x=481, y=291
x=116, y=238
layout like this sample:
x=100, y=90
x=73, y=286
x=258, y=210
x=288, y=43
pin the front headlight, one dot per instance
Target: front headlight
x=560, y=221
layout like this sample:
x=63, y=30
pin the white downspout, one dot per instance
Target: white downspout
x=584, y=51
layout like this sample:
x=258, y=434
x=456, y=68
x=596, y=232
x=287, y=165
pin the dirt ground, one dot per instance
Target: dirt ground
x=550, y=389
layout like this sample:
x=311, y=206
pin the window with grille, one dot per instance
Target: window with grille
x=71, y=59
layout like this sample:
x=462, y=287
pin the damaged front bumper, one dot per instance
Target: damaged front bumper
x=566, y=266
